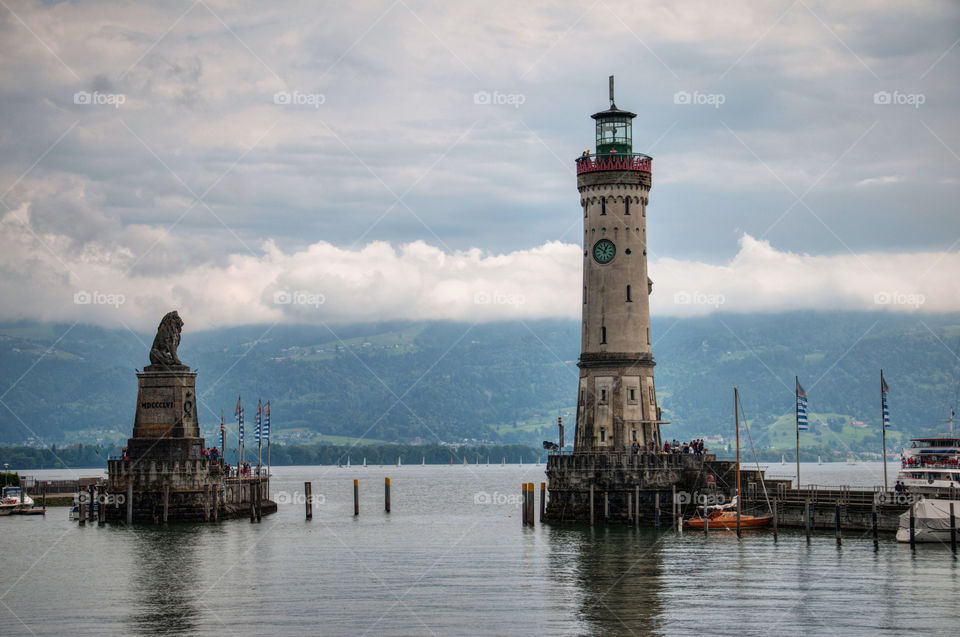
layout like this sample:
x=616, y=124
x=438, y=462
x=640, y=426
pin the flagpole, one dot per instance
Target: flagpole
x=268, y=438
x=796, y=418
x=259, y=434
x=883, y=427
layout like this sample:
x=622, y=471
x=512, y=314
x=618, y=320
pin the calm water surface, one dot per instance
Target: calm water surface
x=453, y=558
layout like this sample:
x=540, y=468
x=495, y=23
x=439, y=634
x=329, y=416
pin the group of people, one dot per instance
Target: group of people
x=900, y=488
x=212, y=453
x=694, y=447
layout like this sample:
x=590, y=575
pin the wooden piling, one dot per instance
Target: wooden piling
x=532, y=495
x=166, y=503
x=206, y=503
x=591, y=505
x=953, y=531
x=356, y=497
x=259, y=499
x=92, y=509
x=523, y=504
x=806, y=517
x=630, y=508
x=253, y=503
x=836, y=523
x=101, y=510
x=874, y=527
x=673, y=507
x=776, y=509
x=130, y=503
x=216, y=502
x=606, y=507
x=656, y=510
x=44, y=498
x=912, y=533
x=308, y=490
x=386, y=495
x=543, y=501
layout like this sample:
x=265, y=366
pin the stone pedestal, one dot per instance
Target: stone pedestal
x=166, y=403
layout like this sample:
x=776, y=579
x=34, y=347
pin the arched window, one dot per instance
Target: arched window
x=603, y=336
x=603, y=205
x=629, y=300
x=626, y=206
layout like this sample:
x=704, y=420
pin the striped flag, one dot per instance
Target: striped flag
x=801, y=408
x=223, y=433
x=266, y=421
x=883, y=399
x=239, y=414
x=256, y=419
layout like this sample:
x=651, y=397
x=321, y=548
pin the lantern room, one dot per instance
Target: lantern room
x=614, y=128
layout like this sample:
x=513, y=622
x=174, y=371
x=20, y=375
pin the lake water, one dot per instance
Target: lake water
x=453, y=558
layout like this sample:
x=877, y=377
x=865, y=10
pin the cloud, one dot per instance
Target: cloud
x=53, y=280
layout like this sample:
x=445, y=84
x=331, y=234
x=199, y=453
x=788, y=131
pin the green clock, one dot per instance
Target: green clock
x=604, y=251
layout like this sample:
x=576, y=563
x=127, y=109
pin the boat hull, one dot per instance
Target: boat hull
x=729, y=521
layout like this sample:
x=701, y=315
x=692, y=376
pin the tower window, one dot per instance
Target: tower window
x=582, y=394
x=626, y=206
x=648, y=336
x=603, y=435
x=603, y=205
x=629, y=300
x=633, y=396
x=603, y=336
x=603, y=395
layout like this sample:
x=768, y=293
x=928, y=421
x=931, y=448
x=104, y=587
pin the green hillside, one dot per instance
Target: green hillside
x=500, y=382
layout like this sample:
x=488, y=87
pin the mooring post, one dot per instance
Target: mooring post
x=532, y=494
x=836, y=523
x=206, y=503
x=92, y=500
x=543, y=501
x=523, y=503
x=81, y=508
x=130, y=503
x=216, y=502
x=953, y=531
x=673, y=506
x=656, y=507
x=636, y=505
x=630, y=508
x=606, y=507
x=873, y=527
x=44, y=498
x=386, y=495
x=912, y=534
x=356, y=497
x=308, y=490
x=166, y=503
x=253, y=503
x=101, y=510
x=776, y=507
x=591, y=505
x=806, y=517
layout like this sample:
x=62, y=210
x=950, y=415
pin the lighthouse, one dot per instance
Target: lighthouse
x=616, y=400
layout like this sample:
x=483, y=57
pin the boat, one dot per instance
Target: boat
x=364, y=462
x=398, y=461
x=929, y=464
x=782, y=459
x=13, y=499
x=729, y=515
x=931, y=521
x=819, y=461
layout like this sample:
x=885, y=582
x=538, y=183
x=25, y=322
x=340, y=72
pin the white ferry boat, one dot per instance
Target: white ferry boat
x=930, y=464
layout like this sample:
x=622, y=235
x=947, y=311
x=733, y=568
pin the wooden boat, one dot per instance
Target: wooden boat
x=729, y=516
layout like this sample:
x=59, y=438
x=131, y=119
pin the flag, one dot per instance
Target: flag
x=239, y=414
x=256, y=420
x=801, y=408
x=266, y=421
x=883, y=399
x=223, y=433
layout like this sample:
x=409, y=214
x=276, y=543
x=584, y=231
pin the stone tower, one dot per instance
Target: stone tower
x=616, y=402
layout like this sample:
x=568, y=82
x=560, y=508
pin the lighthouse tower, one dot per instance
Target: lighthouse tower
x=617, y=401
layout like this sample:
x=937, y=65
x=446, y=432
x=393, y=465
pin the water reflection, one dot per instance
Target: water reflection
x=617, y=572
x=165, y=581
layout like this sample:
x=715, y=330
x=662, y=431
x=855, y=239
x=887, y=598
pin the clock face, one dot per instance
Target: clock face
x=604, y=250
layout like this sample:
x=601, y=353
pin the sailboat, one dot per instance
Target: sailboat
x=538, y=461
x=503, y=462
x=364, y=462
x=423, y=462
x=782, y=459
x=348, y=462
x=398, y=461
x=729, y=516
x=819, y=461
x=464, y=462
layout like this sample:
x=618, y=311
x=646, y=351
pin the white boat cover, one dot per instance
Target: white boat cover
x=931, y=514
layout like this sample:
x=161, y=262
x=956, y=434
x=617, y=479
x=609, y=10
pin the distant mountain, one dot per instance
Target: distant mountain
x=499, y=382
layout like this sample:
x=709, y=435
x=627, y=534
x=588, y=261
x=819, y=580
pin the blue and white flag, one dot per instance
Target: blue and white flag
x=238, y=412
x=883, y=400
x=266, y=421
x=801, y=408
x=256, y=419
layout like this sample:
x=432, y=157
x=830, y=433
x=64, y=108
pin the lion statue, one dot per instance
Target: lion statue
x=164, y=350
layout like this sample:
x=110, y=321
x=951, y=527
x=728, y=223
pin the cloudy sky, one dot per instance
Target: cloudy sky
x=263, y=162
